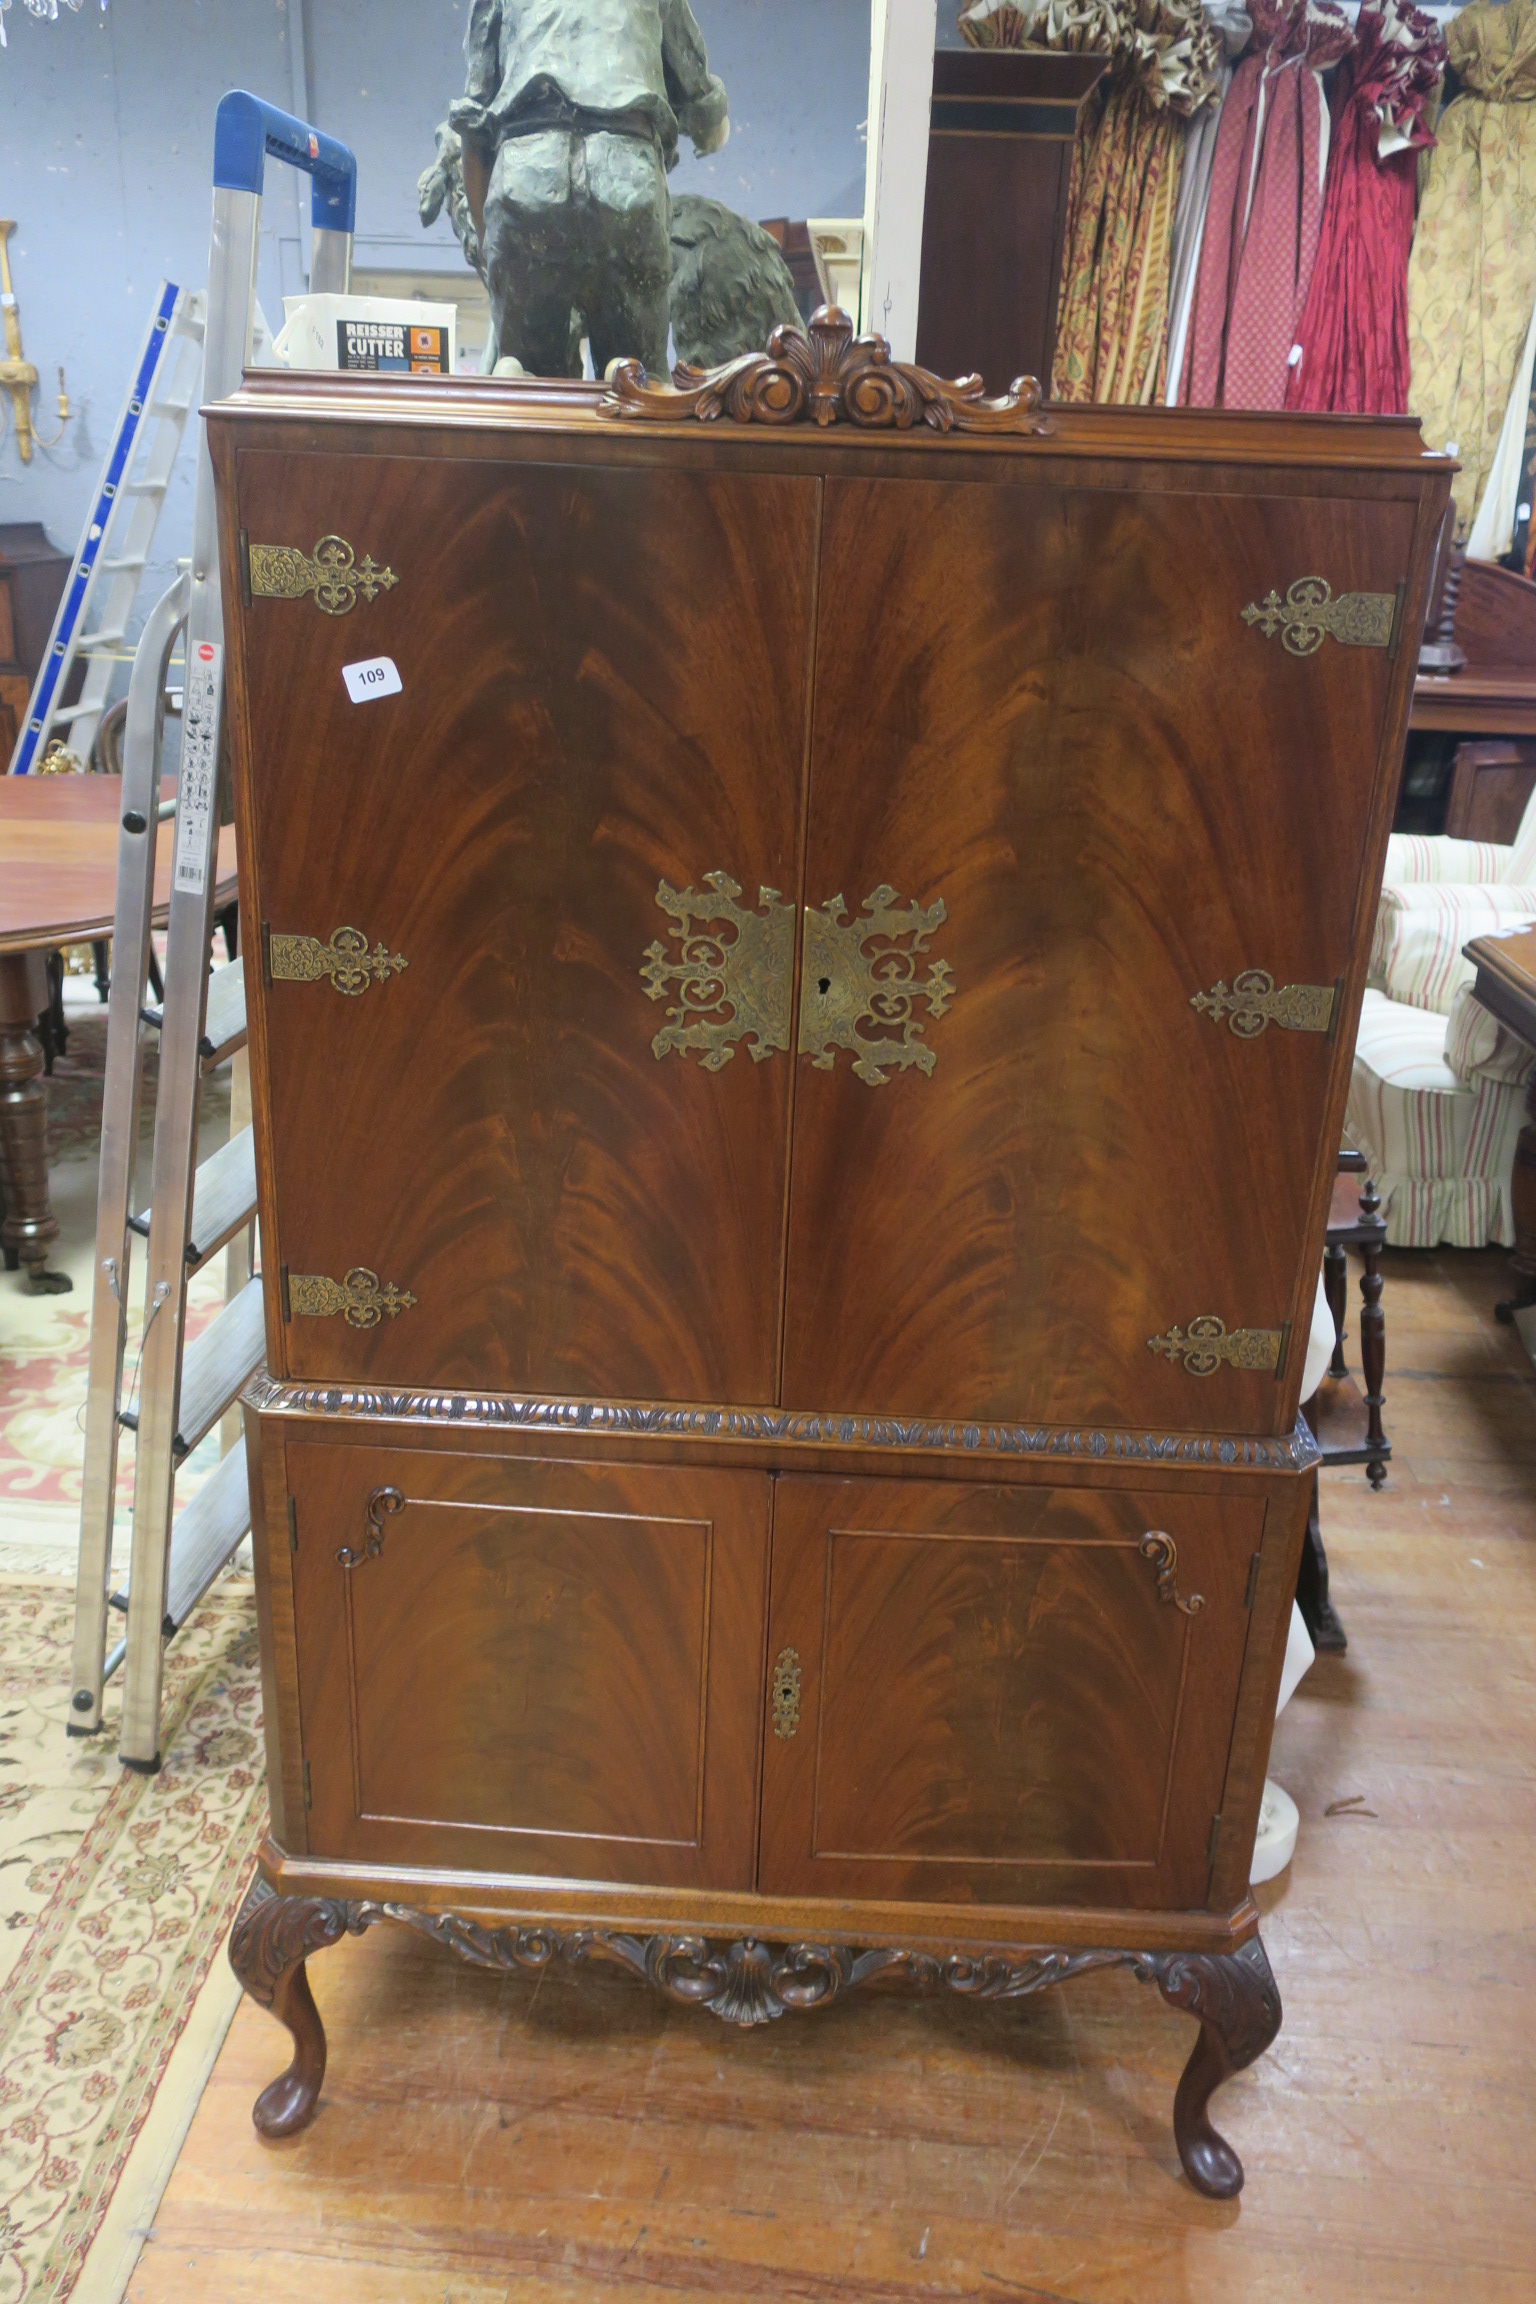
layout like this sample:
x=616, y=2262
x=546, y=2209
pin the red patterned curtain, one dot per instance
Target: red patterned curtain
x=1353, y=336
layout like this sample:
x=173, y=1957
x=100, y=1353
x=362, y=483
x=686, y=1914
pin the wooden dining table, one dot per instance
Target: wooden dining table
x=58, y=885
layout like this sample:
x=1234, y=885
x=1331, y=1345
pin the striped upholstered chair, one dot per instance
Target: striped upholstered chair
x=1437, y=1096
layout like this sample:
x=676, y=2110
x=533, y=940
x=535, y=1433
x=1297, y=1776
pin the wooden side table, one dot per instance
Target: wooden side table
x=1505, y=985
x=58, y=885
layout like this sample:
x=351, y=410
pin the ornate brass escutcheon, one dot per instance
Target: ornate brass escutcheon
x=1209, y=1344
x=855, y=974
x=1256, y=1001
x=362, y=1298
x=731, y=976
x=347, y=960
x=786, y=1692
x=333, y=573
x=1160, y=1547
x=1309, y=615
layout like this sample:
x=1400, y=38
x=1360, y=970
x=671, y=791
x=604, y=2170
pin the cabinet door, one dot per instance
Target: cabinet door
x=1000, y=1695
x=485, y=1169
x=519, y=1666
x=1068, y=789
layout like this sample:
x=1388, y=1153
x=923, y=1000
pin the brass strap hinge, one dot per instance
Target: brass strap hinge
x=333, y=573
x=1309, y=615
x=361, y=1297
x=1209, y=1344
x=346, y=960
x=1256, y=1001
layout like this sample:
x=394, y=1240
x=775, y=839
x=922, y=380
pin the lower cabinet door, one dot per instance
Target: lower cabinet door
x=530, y=1667
x=1000, y=1695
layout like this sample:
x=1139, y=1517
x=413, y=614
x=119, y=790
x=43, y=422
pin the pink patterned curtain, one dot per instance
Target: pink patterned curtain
x=1265, y=213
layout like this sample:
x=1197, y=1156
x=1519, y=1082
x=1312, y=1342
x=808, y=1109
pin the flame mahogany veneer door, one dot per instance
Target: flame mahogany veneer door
x=996, y=1701
x=604, y=686
x=1042, y=708
x=529, y=1666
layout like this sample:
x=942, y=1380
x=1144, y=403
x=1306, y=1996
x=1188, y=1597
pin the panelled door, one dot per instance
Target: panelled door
x=1000, y=1695
x=1091, y=780
x=518, y=1138
x=521, y=1666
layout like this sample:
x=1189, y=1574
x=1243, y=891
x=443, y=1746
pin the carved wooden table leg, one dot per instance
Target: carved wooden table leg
x=1238, y=2003
x=1336, y=1293
x=29, y=1227
x=1373, y=1356
x=1522, y=1193
x=268, y=1945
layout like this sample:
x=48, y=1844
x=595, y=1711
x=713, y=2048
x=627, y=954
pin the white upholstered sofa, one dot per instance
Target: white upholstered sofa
x=1437, y=1096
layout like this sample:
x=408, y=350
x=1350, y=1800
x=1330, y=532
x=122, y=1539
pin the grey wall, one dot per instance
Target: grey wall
x=106, y=141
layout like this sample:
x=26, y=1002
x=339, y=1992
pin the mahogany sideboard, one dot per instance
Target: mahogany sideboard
x=798, y=1063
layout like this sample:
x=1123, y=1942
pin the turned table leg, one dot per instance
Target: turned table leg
x=268, y=1945
x=1336, y=1294
x=1238, y=2003
x=29, y=1227
x=1373, y=1357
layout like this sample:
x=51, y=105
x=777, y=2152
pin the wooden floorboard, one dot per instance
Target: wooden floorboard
x=569, y=2138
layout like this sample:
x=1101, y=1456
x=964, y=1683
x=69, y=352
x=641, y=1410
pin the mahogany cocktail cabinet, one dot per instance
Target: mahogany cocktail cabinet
x=804, y=936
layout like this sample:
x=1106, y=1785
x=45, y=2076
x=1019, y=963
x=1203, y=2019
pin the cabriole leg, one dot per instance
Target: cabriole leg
x=268, y=1945
x=1237, y=2001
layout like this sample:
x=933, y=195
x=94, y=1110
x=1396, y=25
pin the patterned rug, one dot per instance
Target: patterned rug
x=116, y=1894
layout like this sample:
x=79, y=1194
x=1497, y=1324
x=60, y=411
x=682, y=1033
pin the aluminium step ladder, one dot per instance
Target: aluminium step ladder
x=183, y=1390
x=96, y=605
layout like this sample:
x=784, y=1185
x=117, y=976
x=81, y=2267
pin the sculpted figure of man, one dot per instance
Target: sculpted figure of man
x=575, y=107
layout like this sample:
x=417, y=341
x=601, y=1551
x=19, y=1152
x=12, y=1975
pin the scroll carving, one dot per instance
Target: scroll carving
x=333, y=573
x=362, y=1298
x=382, y=1505
x=346, y=960
x=1256, y=1001
x=731, y=977
x=860, y=973
x=1309, y=615
x=826, y=377
x=745, y=1981
x=1209, y=1344
x=1160, y=1548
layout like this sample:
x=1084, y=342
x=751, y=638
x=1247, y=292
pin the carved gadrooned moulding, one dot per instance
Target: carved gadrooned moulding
x=1295, y=1451
x=827, y=376
x=1309, y=614
x=345, y=959
x=1255, y=1001
x=332, y=573
x=1209, y=1344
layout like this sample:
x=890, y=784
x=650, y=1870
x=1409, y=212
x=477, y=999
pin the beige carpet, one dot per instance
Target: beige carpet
x=116, y=1894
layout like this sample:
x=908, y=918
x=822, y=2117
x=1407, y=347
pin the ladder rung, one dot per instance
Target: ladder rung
x=143, y=488
x=128, y=560
x=224, y=1016
x=74, y=711
x=176, y=407
x=217, y=1364
x=89, y=642
x=223, y=1198
x=204, y=1535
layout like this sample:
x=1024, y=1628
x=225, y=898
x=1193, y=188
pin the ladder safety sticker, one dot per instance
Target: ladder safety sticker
x=377, y=677
x=197, y=794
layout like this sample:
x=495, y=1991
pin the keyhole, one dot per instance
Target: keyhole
x=824, y=985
